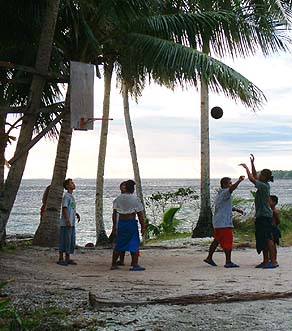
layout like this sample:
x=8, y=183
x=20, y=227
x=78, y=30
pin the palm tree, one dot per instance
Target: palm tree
x=101, y=236
x=155, y=46
x=47, y=233
x=42, y=63
x=256, y=29
x=75, y=39
x=132, y=145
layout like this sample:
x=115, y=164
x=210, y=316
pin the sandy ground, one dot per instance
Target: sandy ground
x=170, y=272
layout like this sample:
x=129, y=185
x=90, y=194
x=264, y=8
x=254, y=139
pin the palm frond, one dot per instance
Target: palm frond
x=174, y=64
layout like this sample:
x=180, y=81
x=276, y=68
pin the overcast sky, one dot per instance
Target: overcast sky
x=166, y=128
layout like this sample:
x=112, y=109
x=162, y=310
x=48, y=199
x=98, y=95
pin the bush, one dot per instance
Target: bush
x=168, y=224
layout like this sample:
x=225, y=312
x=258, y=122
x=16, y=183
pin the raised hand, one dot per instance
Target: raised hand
x=243, y=165
x=251, y=158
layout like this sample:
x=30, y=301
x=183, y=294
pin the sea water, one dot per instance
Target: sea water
x=25, y=214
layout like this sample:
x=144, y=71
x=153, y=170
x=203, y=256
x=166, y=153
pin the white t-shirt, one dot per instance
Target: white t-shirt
x=223, y=210
x=127, y=204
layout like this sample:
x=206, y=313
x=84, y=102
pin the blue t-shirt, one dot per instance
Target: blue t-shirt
x=68, y=202
x=223, y=210
x=262, y=197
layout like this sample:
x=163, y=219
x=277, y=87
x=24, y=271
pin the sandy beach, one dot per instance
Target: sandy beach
x=178, y=291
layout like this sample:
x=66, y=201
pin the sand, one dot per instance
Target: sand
x=119, y=297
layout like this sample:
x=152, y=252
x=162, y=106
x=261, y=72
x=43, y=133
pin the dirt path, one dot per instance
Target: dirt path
x=177, y=272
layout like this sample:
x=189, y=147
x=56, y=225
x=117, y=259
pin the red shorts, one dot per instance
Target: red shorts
x=224, y=236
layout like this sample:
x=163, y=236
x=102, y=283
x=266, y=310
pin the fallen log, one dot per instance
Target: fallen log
x=192, y=299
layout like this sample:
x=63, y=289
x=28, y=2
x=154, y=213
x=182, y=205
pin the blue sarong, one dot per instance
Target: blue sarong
x=127, y=236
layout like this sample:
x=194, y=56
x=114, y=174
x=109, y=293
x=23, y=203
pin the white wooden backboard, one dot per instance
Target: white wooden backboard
x=81, y=95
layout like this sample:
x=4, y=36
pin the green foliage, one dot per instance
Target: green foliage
x=12, y=246
x=244, y=230
x=245, y=227
x=15, y=322
x=157, y=203
x=51, y=318
x=40, y=319
x=286, y=219
x=169, y=223
x=282, y=174
x=161, y=209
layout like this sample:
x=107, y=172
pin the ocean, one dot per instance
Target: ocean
x=24, y=218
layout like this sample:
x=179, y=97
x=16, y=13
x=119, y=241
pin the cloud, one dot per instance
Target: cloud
x=166, y=126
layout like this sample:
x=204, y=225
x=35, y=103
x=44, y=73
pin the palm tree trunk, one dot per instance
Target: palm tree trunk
x=3, y=144
x=101, y=236
x=47, y=234
x=132, y=145
x=14, y=177
x=204, y=226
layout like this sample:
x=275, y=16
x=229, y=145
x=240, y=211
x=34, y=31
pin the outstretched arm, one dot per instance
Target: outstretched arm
x=234, y=186
x=249, y=175
x=253, y=170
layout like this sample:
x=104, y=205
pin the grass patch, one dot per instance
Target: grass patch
x=47, y=319
x=12, y=246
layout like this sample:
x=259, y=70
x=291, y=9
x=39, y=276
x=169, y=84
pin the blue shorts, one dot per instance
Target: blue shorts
x=127, y=236
x=67, y=240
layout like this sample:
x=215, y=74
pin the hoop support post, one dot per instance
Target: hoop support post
x=84, y=121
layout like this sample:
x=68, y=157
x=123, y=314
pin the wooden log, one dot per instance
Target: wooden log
x=192, y=299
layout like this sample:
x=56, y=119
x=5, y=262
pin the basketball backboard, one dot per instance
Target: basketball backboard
x=81, y=95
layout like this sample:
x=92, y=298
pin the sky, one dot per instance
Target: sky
x=167, y=131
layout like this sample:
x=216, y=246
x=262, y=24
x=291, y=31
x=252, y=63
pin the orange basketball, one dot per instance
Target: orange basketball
x=216, y=112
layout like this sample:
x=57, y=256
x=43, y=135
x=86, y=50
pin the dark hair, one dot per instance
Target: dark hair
x=66, y=183
x=224, y=181
x=274, y=198
x=267, y=173
x=130, y=186
x=122, y=183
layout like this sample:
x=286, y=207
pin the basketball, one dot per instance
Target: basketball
x=216, y=112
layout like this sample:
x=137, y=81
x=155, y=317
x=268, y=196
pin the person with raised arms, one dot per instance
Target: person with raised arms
x=263, y=214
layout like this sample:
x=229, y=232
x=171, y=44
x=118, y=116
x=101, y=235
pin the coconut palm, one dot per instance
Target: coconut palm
x=256, y=30
x=75, y=39
x=132, y=145
x=157, y=46
x=28, y=122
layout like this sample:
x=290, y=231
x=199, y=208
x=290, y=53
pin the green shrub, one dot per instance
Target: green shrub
x=168, y=224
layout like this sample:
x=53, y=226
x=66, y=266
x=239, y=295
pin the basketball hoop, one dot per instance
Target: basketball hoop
x=85, y=121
